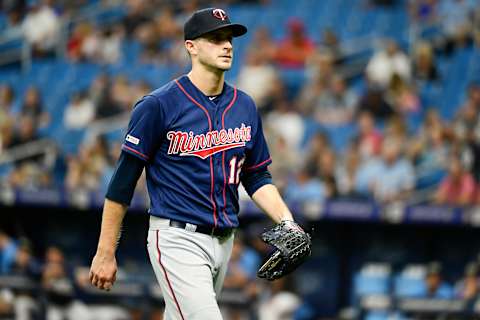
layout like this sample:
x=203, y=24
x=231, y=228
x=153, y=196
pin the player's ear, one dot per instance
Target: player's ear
x=191, y=47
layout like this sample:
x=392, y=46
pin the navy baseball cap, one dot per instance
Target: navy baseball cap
x=207, y=20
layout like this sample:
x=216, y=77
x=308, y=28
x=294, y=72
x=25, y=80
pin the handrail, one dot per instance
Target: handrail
x=41, y=146
x=109, y=124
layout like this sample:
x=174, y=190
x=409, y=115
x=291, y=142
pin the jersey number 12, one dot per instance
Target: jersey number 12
x=235, y=169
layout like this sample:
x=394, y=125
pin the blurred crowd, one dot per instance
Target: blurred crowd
x=51, y=284
x=47, y=285
x=399, y=145
x=400, y=149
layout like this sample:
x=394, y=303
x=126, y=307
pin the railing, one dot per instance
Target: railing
x=27, y=150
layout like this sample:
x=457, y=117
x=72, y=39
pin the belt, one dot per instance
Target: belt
x=211, y=231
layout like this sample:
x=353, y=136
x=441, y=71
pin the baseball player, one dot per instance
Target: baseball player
x=197, y=138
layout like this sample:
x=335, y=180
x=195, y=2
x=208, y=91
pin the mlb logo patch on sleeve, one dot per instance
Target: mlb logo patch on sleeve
x=132, y=139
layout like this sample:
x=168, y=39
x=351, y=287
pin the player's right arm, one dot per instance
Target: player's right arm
x=140, y=143
x=119, y=195
x=104, y=265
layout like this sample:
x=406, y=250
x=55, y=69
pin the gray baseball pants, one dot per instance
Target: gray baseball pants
x=190, y=268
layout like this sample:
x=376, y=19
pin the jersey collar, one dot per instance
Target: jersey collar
x=224, y=98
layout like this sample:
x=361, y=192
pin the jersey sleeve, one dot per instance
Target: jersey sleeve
x=257, y=157
x=145, y=129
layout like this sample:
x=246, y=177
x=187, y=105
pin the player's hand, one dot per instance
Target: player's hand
x=103, y=271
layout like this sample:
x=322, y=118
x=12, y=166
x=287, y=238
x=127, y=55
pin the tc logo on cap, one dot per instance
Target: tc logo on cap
x=220, y=14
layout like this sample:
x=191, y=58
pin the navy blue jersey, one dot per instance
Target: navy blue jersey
x=195, y=151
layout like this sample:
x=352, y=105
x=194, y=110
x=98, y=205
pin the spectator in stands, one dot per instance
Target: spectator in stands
x=466, y=128
x=284, y=121
x=8, y=252
x=455, y=20
x=59, y=288
x=374, y=102
x=468, y=287
x=257, y=77
x=296, y=48
x=336, y=105
x=346, y=171
x=396, y=129
x=79, y=113
x=429, y=151
x=140, y=89
x=402, y=97
x=263, y=43
x=15, y=11
x=458, y=187
x=30, y=174
x=137, y=14
x=331, y=45
x=109, y=50
x=98, y=89
x=6, y=135
x=384, y=64
x=6, y=303
x=368, y=171
x=396, y=177
x=99, y=45
x=114, y=99
x=77, y=43
x=26, y=267
x=150, y=52
x=41, y=28
x=326, y=170
x=423, y=12
x=280, y=149
x=6, y=119
x=85, y=170
x=370, y=139
x=436, y=287
x=317, y=145
x=24, y=132
x=277, y=96
x=305, y=189
x=240, y=279
x=7, y=98
x=326, y=162
x=472, y=105
x=32, y=108
x=25, y=263
x=321, y=68
x=424, y=67
x=279, y=302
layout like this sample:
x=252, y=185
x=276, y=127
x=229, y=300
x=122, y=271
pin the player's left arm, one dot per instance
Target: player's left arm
x=268, y=199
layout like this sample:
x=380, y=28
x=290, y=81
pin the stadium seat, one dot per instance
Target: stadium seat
x=410, y=282
x=372, y=279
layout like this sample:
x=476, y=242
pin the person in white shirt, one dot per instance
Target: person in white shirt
x=384, y=64
x=41, y=28
x=79, y=113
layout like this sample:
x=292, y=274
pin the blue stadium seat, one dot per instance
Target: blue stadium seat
x=377, y=315
x=410, y=282
x=384, y=315
x=293, y=79
x=70, y=140
x=372, y=279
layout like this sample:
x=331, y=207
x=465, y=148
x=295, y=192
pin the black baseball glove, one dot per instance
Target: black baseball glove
x=292, y=247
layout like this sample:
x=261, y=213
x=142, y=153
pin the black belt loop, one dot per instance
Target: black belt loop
x=211, y=231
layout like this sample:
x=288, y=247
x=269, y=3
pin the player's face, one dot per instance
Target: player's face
x=215, y=49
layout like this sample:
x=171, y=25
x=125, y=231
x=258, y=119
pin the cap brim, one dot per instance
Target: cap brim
x=237, y=29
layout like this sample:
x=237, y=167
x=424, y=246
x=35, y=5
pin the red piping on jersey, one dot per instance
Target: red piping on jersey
x=168, y=280
x=258, y=165
x=223, y=156
x=211, y=158
x=135, y=151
